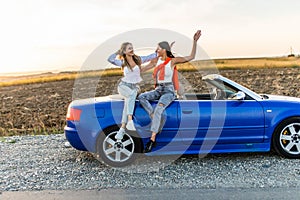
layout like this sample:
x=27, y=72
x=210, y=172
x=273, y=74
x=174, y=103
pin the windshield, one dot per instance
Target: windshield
x=224, y=89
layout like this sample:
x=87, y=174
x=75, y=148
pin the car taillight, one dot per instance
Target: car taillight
x=73, y=114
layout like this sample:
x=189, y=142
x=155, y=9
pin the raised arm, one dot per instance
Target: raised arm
x=150, y=65
x=148, y=58
x=113, y=60
x=184, y=59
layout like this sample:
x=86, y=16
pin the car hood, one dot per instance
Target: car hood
x=285, y=98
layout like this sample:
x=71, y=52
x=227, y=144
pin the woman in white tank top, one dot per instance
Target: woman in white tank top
x=128, y=86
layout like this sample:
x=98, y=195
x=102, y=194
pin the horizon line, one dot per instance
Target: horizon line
x=75, y=69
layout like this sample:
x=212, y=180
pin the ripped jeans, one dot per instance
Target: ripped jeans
x=165, y=94
x=129, y=91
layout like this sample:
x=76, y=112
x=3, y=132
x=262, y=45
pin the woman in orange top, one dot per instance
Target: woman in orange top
x=166, y=81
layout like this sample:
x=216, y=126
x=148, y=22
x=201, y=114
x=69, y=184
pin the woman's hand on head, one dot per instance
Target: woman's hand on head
x=118, y=52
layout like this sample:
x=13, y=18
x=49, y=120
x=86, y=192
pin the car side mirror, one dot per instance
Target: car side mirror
x=238, y=96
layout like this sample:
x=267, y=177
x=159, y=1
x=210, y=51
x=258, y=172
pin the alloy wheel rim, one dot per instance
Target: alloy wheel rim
x=118, y=150
x=290, y=138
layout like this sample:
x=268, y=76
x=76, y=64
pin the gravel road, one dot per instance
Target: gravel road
x=44, y=163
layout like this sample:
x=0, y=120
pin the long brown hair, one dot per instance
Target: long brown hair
x=136, y=58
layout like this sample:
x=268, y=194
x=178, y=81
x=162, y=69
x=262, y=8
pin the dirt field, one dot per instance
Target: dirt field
x=41, y=108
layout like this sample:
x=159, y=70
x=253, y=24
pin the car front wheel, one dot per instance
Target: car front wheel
x=286, y=139
x=117, y=153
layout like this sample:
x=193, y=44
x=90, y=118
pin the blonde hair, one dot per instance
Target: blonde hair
x=136, y=58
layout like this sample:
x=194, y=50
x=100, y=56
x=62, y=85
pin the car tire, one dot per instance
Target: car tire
x=118, y=153
x=286, y=138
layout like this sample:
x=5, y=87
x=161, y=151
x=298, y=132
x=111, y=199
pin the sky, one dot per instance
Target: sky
x=55, y=35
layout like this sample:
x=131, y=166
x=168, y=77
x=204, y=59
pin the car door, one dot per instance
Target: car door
x=221, y=122
x=169, y=133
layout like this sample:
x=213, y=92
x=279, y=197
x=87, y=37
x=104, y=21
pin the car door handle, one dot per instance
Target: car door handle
x=187, y=111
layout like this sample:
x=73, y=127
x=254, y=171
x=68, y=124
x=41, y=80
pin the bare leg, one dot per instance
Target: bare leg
x=123, y=125
x=153, y=136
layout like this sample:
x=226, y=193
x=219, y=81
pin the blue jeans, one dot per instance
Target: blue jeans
x=165, y=95
x=129, y=91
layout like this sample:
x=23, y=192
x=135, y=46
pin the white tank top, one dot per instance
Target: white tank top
x=168, y=72
x=133, y=76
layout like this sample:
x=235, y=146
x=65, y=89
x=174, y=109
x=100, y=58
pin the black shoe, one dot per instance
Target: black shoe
x=149, y=146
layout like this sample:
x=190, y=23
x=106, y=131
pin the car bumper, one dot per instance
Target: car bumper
x=74, y=139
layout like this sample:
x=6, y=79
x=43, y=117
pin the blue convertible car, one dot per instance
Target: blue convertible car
x=228, y=118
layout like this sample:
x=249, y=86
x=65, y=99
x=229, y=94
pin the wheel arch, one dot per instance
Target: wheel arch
x=276, y=120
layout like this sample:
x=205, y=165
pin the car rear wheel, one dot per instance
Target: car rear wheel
x=118, y=153
x=286, y=138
